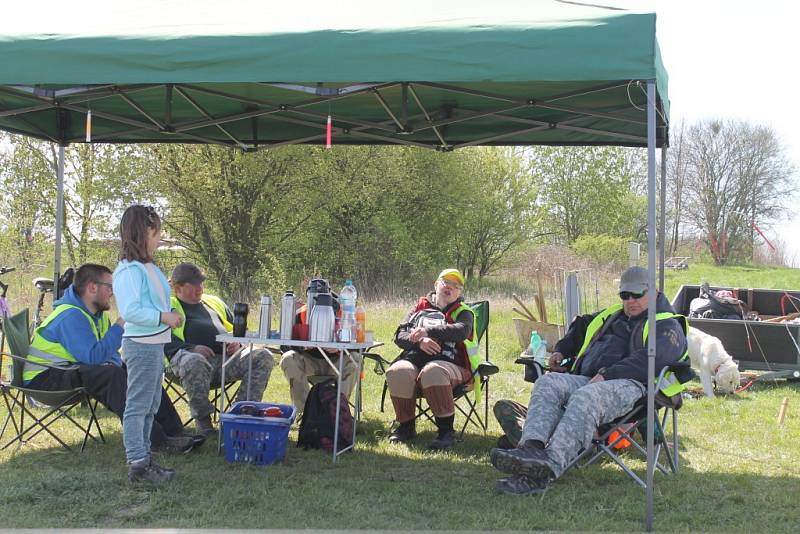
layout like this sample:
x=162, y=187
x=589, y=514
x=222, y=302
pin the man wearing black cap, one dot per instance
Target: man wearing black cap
x=195, y=356
x=600, y=373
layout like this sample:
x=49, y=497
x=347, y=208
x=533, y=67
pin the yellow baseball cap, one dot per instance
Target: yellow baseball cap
x=452, y=274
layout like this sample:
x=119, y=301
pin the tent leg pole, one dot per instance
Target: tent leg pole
x=59, y=220
x=662, y=223
x=651, y=309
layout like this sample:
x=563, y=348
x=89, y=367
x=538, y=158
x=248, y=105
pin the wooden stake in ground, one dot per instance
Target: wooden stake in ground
x=530, y=315
x=522, y=314
x=542, y=307
x=782, y=411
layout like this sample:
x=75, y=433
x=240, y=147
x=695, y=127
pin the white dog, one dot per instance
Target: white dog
x=713, y=363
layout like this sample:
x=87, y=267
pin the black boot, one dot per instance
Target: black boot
x=446, y=436
x=405, y=431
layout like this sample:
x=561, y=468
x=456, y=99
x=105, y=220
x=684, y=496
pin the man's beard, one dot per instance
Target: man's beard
x=102, y=307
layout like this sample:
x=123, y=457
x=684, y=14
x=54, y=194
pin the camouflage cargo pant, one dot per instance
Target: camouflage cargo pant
x=198, y=374
x=565, y=411
x=511, y=416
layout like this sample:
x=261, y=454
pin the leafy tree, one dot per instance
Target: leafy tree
x=233, y=211
x=99, y=181
x=497, y=209
x=737, y=176
x=588, y=191
x=25, y=177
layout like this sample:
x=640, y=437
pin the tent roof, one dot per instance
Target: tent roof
x=250, y=74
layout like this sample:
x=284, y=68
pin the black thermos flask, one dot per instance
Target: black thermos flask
x=240, y=319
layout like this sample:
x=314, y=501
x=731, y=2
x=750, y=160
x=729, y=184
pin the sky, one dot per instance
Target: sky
x=736, y=59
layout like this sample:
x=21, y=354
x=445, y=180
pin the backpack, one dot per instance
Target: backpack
x=319, y=418
x=710, y=306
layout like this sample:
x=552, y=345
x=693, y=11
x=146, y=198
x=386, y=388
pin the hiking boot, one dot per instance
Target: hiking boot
x=148, y=471
x=444, y=440
x=404, y=432
x=197, y=439
x=204, y=426
x=504, y=443
x=530, y=461
x=522, y=485
x=176, y=444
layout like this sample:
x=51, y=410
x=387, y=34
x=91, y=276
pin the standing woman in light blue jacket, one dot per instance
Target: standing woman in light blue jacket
x=142, y=294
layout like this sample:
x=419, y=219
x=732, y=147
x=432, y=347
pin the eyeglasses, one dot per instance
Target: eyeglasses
x=98, y=282
x=452, y=285
x=627, y=295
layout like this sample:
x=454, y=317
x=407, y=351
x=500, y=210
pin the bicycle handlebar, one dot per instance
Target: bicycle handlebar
x=4, y=270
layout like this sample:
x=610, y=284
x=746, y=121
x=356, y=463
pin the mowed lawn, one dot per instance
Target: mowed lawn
x=738, y=467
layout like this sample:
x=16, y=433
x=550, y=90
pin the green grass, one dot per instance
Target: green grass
x=738, y=472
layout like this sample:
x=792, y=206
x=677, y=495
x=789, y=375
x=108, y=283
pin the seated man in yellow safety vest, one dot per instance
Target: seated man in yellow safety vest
x=79, y=336
x=607, y=375
x=195, y=356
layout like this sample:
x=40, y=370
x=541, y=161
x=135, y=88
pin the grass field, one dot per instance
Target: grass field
x=738, y=472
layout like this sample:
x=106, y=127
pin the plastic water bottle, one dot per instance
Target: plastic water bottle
x=538, y=348
x=347, y=299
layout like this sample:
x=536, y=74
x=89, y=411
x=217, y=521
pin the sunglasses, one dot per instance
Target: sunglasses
x=627, y=295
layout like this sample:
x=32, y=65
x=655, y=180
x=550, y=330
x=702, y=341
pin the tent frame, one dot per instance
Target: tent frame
x=395, y=129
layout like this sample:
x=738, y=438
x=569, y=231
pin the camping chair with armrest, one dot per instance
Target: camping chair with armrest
x=617, y=436
x=468, y=406
x=178, y=395
x=59, y=404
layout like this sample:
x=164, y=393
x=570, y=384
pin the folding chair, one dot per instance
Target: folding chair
x=59, y=404
x=172, y=385
x=610, y=435
x=464, y=402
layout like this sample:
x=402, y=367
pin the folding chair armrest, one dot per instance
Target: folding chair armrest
x=525, y=360
x=377, y=358
x=487, y=369
x=381, y=363
x=49, y=366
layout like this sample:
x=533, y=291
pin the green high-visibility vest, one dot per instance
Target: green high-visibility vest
x=670, y=385
x=43, y=351
x=212, y=303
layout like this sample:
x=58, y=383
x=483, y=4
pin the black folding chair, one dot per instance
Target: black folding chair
x=465, y=403
x=611, y=435
x=173, y=387
x=58, y=404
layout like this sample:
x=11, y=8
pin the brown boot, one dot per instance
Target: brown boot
x=204, y=426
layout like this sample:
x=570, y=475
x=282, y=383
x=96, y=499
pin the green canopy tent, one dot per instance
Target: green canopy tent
x=252, y=75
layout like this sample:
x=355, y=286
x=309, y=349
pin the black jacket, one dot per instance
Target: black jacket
x=620, y=349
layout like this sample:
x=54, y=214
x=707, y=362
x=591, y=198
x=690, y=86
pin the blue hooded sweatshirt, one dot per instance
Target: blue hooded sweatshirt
x=74, y=333
x=139, y=300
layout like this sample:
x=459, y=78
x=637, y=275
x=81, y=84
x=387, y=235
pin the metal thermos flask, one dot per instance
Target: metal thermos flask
x=315, y=287
x=322, y=319
x=265, y=321
x=287, y=314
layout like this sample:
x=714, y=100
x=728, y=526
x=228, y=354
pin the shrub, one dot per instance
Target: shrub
x=603, y=249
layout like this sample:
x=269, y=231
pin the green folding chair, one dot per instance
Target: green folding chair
x=465, y=402
x=25, y=423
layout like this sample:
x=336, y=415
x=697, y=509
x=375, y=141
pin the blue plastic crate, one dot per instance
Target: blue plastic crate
x=254, y=439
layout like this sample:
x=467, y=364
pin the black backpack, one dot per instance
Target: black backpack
x=319, y=418
x=709, y=306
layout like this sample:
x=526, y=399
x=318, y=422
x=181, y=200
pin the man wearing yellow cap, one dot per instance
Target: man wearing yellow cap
x=433, y=337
